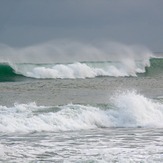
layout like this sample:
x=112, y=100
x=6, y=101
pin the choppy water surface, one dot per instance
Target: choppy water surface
x=101, y=145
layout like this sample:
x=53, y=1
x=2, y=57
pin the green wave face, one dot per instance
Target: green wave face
x=7, y=73
x=155, y=69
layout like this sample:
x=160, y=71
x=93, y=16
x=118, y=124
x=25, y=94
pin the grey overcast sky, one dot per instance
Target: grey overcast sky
x=30, y=22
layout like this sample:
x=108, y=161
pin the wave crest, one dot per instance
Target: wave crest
x=152, y=67
x=127, y=109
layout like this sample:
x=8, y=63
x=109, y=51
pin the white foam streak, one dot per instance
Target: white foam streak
x=127, y=109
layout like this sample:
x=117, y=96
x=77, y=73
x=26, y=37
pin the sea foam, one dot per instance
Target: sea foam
x=81, y=70
x=126, y=109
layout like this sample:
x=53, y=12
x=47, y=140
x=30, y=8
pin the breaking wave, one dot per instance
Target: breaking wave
x=126, y=109
x=14, y=72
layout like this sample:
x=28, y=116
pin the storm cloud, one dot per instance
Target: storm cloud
x=25, y=23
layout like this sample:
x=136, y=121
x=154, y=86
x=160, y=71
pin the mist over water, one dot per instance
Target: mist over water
x=68, y=51
x=124, y=60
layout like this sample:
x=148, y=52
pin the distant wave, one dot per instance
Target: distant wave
x=14, y=72
x=7, y=73
x=126, y=109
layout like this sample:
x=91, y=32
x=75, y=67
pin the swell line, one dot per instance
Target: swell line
x=16, y=72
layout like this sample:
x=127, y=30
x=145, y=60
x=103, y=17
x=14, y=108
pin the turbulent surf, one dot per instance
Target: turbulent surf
x=82, y=108
x=127, y=109
x=15, y=72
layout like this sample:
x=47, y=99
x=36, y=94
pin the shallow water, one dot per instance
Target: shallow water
x=101, y=145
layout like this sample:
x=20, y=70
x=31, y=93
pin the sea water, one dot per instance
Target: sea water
x=82, y=112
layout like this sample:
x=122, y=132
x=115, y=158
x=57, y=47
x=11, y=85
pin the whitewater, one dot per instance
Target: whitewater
x=78, y=70
x=128, y=129
x=81, y=70
x=104, y=106
x=127, y=109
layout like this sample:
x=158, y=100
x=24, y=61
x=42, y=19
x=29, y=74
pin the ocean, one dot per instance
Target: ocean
x=82, y=112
